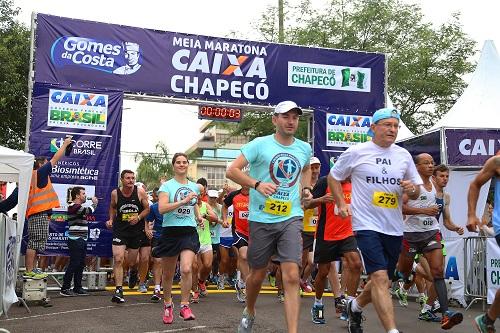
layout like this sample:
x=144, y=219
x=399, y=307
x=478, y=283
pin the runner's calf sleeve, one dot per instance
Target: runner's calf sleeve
x=442, y=294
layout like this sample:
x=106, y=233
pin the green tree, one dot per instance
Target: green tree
x=14, y=63
x=152, y=166
x=425, y=63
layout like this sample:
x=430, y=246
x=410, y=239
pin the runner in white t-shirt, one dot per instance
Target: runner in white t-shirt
x=380, y=173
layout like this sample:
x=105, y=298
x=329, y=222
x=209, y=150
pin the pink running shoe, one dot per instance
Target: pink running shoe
x=168, y=313
x=186, y=313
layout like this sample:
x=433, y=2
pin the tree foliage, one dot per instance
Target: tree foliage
x=152, y=166
x=426, y=63
x=14, y=63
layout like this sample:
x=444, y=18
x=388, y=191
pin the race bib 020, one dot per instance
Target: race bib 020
x=277, y=207
x=385, y=199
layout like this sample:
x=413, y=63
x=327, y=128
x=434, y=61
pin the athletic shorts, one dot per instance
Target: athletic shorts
x=226, y=242
x=421, y=242
x=307, y=241
x=378, y=251
x=145, y=241
x=205, y=248
x=174, y=240
x=283, y=239
x=328, y=251
x=239, y=240
x=132, y=240
x=38, y=231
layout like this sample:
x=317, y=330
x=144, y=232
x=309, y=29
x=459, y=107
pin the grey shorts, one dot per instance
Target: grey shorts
x=283, y=239
x=38, y=231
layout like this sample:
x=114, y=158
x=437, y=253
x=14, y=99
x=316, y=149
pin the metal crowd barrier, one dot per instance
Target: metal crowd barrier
x=475, y=283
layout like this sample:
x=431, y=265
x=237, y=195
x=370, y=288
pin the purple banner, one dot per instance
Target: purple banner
x=471, y=147
x=91, y=54
x=93, y=118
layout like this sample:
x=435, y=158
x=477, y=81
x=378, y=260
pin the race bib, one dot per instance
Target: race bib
x=126, y=217
x=313, y=220
x=244, y=215
x=385, y=200
x=277, y=207
x=184, y=211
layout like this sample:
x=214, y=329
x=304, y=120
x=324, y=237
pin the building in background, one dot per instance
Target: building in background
x=214, y=152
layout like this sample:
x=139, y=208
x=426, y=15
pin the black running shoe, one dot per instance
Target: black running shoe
x=133, y=279
x=80, y=292
x=354, y=320
x=118, y=297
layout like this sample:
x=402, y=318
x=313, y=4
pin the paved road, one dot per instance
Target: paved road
x=219, y=312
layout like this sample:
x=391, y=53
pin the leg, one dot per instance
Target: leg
x=187, y=259
x=320, y=281
x=291, y=283
x=242, y=262
x=82, y=253
x=157, y=271
x=118, y=256
x=353, y=261
x=333, y=277
x=168, y=266
x=30, y=259
x=254, y=283
x=144, y=253
x=381, y=298
x=206, y=265
x=73, y=264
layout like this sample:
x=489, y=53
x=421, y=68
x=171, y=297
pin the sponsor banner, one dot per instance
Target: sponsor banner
x=492, y=268
x=429, y=143
x=8, y=278
x=346, y=130
x=471, y=147
x=83, y=53
x=92, y=161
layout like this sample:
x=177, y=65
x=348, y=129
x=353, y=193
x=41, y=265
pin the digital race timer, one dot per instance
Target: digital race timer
x=221, y=113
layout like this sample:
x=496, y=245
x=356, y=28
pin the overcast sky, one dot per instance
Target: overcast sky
x=216, y=18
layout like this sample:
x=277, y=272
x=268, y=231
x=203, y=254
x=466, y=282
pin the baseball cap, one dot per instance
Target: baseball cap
x=213, y=194
x=285, y=106
x=384, y=113
x=314, y=160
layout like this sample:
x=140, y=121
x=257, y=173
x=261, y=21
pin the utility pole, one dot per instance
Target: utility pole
x=281, y=33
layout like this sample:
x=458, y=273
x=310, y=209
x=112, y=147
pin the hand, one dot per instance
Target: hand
x=327, y=198
x=201, y=224
x=134, y=220
x=267, y=189
x=95, y=200
x=67, y=141
x=345, y=210
x=225, y=224
x=432, y=210
x=459, y=230
x=149, y=232
x=472, y=223
x=189, y=197
x=109, y=224
x=408, y=186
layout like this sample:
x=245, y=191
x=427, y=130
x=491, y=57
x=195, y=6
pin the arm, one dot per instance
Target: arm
x=486, y=173
x=447, y=216
x=60, y=152
x=338, y=195
x=10, y=202
x=408, y=210
x=305, y=181
x=211, y=216
x=112, y=209
x=164, y=206
x=225, y=224
x=235, y=173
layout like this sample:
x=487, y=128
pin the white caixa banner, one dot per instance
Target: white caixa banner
x=492, y=268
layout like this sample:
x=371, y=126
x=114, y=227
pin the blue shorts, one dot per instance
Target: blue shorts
x=227, y=242
x=379, y=251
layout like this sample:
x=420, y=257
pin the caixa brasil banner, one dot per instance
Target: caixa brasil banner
x=93, y=118
x=89, y=54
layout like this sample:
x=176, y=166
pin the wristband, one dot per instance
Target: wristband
x=307, y=188
x=257, y=184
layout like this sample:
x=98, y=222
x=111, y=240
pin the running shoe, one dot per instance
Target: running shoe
x=317, y=313
x=429, y=316
x=142, y=288
x=246, y=322
x=35, y=275
x=168, y=313
x=272, y=280
x=203, y=288
x=133, y=279
x=67, y=293
x=450, y=319
x=436, y=307
x=340, y=304
x=402, y=297
x=281, y=296
x=221, y=282
x=118, y=297
x=305, y=287
x=156, y=296
x=482, y=326
x=354, y=320
x=343, y=315
x=80, y=292
x=241, y=294
x=186, y=313
x=195, y=297
x=421, y=300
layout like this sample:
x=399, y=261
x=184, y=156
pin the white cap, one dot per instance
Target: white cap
x=285, y=106
x=213, y=194
x=314, y=160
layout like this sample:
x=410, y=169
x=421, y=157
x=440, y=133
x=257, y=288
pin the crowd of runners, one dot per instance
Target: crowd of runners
x=368, y=229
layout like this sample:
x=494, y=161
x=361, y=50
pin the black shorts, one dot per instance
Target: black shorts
x=328, y=251
x=132, y=240
x=145, y=241
x=174, y=240
x=239, y=240
x=307, y=241
x=421, y=242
